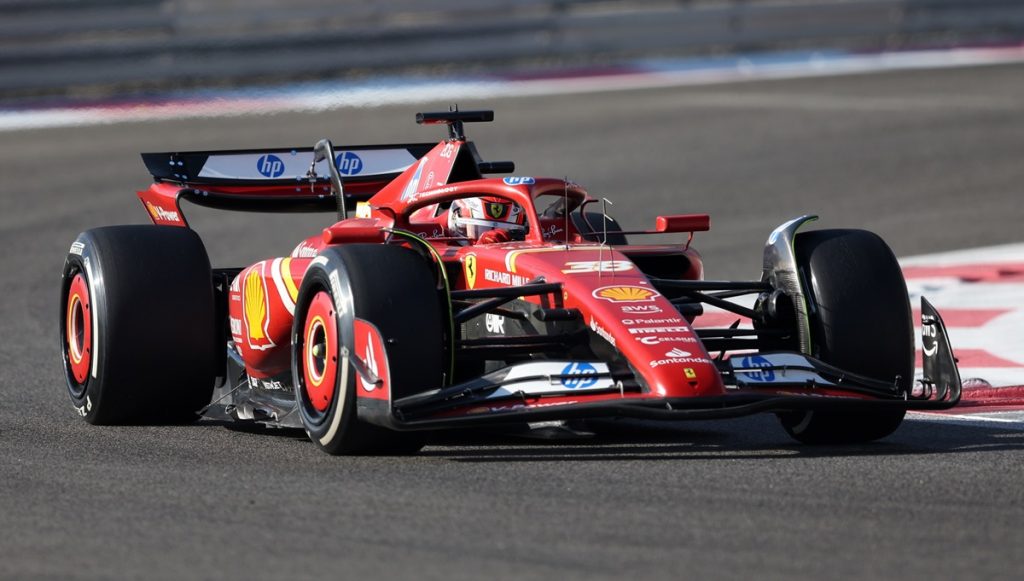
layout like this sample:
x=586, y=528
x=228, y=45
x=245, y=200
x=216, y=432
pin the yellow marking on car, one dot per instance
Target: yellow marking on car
x=510, y=258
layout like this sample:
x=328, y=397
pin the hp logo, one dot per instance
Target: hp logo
x=348, y=163
x=519, y=181
x=270, y=166
x=580, y=375
x=766, y=373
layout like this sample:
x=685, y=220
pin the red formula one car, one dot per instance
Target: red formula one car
x=450, y=299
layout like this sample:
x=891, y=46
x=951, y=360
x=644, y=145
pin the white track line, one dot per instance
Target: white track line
x=648, y=74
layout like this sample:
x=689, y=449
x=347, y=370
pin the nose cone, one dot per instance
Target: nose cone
x=620, y=306
x=661, y=346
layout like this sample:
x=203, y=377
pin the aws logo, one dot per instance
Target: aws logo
x=256, y=309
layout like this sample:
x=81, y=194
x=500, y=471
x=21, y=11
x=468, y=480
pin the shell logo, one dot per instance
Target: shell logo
x=257, y=313
x=626, y=294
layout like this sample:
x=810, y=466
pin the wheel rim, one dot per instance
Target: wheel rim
x=78, y=338
x=320, y=353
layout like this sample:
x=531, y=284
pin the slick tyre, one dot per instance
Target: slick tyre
x=860, y=321
x=386, y=288
x=137, y=325
x=591, y=225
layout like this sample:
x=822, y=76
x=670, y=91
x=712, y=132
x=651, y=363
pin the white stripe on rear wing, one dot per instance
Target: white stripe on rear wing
x=269, y=166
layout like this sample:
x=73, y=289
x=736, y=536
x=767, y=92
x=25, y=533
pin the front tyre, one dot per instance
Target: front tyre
x=390, y=288
x=860, y=321
x=137, y=325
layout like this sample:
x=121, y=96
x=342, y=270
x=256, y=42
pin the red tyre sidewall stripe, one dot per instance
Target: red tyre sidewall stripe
x=79, y=318
x=320, y=318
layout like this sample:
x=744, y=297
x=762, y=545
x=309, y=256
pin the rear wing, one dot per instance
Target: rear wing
x=274, y=180
x=281, y=167
x=292, y=180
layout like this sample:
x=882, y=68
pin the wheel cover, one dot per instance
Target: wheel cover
x=78, y=338
x=320, y=352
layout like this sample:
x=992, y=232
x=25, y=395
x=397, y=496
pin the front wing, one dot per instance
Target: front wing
x=756, y=383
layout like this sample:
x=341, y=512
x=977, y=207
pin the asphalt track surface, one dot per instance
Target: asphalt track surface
x=931, y=160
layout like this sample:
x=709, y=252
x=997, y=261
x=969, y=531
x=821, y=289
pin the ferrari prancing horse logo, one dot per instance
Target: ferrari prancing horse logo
x=469, y=263
x=495, y=210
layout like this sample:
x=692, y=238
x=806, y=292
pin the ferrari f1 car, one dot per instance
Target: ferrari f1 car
x=393, y=322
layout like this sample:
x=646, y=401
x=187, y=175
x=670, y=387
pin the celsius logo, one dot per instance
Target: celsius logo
x=348, y=163
x=579, y=374
x=270, y=166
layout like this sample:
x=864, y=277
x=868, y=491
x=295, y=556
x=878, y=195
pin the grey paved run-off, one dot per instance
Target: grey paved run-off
x=931, y=160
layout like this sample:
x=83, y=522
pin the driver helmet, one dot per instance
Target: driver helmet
x=471, y=217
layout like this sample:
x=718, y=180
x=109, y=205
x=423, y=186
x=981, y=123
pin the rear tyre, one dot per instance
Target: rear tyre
x=392, y=288
x=861, y=322
x=591, y=226
x=137, y=325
